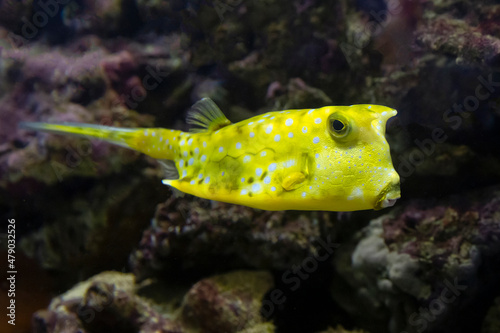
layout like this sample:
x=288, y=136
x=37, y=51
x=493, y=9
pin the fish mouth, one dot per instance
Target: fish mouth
x=388, y=197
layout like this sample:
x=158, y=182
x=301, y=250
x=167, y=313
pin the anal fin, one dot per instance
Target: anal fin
x=171, y=175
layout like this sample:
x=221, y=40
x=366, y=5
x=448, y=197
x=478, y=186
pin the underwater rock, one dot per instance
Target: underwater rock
x=13, y=14
x=340, y=329
x=79, y=238
x=491, y=323
x=108, y=302
x=228, y=303
x=431, y=265
x=298, y=95
x=196, y=235
x=57, y=87
x=460, y=39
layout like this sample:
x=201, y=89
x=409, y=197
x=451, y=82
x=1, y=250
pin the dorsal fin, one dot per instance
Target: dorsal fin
x=207, y=115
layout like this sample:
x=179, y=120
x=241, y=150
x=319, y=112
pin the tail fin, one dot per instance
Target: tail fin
x=119, y=136
x=156, y=142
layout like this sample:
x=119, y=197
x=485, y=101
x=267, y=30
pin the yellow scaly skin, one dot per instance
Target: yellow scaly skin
x=285, y=160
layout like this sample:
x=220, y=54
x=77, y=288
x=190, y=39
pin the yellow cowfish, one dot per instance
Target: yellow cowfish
x=333, y=158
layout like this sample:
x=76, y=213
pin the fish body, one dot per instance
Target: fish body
x=333, y=158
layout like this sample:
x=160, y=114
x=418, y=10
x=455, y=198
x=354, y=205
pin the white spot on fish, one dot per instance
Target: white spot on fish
x=252, y=134
x=243, y=192
x=161, y=139
x=289, y=122
x=304, y=129
x=203, y=158
x=290, y=135
x=317, y=155
x=264, y=153
x=223, y=173
x=207, y=180
x=190, y=142
x=200, y=176
x=258, y=172
x=238, y=145
x=304, y=194
x=369, y=107
x=250, y=123
x=192, y=182
x=185, y=154
x=242, y=180
x=272, y=166
x=267, y=180
x=184, y=173
x=221, y=149
x=246, y=159
x=273, y=188
x=310, y=111
x=191, y=161
x=204, y=144
x=277, y=137
x=182, y=142
x=317, y=120
x=153, y=134
x=316, y=139
x=181, y=164
x=356, y=193
x=145, y=132
x=272, y=117
x=384, y=113
x=269, y=129
x=197, y=150
x=256, y=187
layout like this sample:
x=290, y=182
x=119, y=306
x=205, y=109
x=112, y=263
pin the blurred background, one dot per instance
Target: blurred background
x=103, y=246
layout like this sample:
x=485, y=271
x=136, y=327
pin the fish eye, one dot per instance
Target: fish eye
x=338, y=126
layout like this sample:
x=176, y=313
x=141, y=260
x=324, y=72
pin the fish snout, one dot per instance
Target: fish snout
x=390, y=194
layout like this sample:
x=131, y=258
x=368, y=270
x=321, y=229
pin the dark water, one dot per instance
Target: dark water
x=73, y=209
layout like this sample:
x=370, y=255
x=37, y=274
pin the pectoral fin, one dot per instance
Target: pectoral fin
x=293, y=181
x=297, y=174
